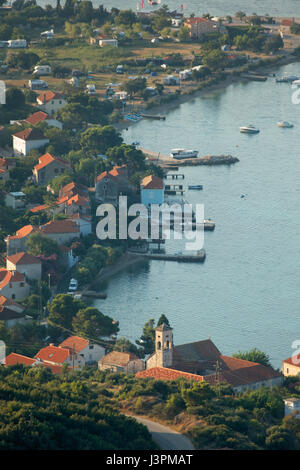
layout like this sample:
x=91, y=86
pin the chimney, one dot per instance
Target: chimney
x=51, y=344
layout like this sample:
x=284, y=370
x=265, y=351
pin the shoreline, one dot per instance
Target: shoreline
x=186, y=97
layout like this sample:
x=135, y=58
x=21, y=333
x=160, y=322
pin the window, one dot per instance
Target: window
x=91, y=347
x=13, y=296
x=56, y=170
x=287, y=370
x=159, y=345
x=22, y=284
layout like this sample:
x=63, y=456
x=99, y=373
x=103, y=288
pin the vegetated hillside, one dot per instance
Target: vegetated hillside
x=39, y=410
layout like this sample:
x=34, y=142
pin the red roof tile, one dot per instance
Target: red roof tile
x=48, y=96
x=152, y=182
x=163, y=373
x=6, y=277
x=23, y=258
x=13, y=359
x=47, y=158
x=294, y=360
x=60, y=226
x=53, y=354
x=75, y=343
x=117, y=358
x=24, y=232
x=30, y=134
x=39, y=116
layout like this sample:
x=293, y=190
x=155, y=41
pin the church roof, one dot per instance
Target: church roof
x=163, y=327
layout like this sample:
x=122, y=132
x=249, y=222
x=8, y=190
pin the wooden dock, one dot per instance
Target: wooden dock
x=93, y=294
x=199, y=258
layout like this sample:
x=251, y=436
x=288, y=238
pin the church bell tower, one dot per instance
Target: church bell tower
x=164, y=345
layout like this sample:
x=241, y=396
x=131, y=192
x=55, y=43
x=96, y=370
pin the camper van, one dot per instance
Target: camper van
x=42, y=70
x=16, y=43
x=120, y=69
x=37, y=84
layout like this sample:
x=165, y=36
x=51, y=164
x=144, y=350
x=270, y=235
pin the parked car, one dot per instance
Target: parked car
x=73, y=286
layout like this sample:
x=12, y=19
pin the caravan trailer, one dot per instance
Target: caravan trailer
x=16, y=43
x=42, y=70
x=37, y=84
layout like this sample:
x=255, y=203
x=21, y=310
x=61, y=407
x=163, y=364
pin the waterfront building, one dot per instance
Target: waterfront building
x=152, y=190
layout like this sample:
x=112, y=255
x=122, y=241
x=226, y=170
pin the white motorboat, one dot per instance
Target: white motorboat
x=249, y=129
x=296, y=83
x=285, y=124
x=180, y=154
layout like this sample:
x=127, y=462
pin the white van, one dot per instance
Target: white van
x=91, y=89
x=37, y=84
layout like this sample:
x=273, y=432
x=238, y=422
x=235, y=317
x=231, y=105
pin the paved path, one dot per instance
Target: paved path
x=165, y=437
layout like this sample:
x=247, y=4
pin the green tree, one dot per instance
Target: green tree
x=124, y=345
x=147, y=339
x=254, y=355
x=184, y=33
x=215, y=59
x=62, y=310
x=90, y=322
x=97, y=140
x=38, y=244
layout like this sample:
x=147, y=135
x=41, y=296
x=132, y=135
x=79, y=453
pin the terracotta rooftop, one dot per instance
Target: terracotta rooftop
x=197, y=20
x=294, y=360
x=163, y=373
x=152, y=182
x=24, y=232
x=4, y=302
x=6, y=277
x=47, y=96
x=39, y=116
x=23, y=258
x=75, y=343
x=47, y=158
x=72, y=188
x=13, y=359
x=30, y=134
x=60, y=226
x=104, y=174
x=117, y=358
x=36, y=209
x=53, y=354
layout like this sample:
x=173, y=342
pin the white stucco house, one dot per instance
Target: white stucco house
x=89, y=351
x=50, y=102
x=27, y=140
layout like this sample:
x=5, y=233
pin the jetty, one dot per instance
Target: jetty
x=255, y=77
x=180, y=258
x=93, y=294
x=170, y=163
x=153, y=116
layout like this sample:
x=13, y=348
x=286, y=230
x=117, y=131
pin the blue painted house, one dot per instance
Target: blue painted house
x=152, y=190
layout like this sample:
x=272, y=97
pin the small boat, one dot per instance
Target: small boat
x=285, y=124
x=287, y=79
x=296, y=83
x=249, y=129
x=195, y=186
x=181, y=153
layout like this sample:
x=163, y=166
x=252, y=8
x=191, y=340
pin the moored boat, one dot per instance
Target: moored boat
x=285, y=124
x=180, y=154
x=249, y=129
x=195, y=186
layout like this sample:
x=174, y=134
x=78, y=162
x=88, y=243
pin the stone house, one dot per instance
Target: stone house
x=109, y=185
x=26, y=264
x=50, y=102
x=200, y=26
x=116, y=361
x=62, y=231
x=59, y=356
x=16, y=243
x=89, y=351
x=13, y=285
x=49, y=167
x=11, y=317
x=27, y=140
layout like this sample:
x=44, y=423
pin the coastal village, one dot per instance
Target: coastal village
x=76, y=77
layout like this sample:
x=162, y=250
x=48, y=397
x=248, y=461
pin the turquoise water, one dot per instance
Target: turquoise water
x=246, y=294
x=214, y=7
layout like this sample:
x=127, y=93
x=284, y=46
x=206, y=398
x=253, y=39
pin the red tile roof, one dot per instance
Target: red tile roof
x=4, y=302
x=30, y=134
x=75, y=343
x=53, y=354
x=13, y=359
x=152, y=182
x=117, y=358
x=79, y=200
x=47, y=96
x=23, y=258
x=294, y=360
x=163, y=373
x=286, y=22
x=47, y=158
x=60, y=226
x=104, y=174
x=36, y=209
x=39, y=116
x=6, y=277
x=24, y=232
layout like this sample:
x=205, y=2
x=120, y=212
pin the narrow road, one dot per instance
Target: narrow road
x=165, y=437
